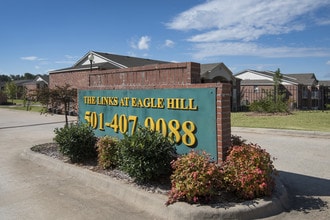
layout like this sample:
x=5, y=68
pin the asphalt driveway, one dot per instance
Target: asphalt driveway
x=29, y=191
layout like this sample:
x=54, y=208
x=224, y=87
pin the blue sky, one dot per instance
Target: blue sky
x=38, y=36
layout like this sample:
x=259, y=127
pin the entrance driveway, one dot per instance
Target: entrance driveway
x=303, y=159
x=29, y=191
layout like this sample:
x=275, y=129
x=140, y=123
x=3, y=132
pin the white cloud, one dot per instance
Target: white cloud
x=143, y=43
x=70, y=57
x=243, y=20
x=65, y=62
x=204, y=50
x=30, y=58
x=226, y=27
x=328, y=63
x=169, y=43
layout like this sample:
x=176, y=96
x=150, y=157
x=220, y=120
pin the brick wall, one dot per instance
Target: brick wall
x=171, y=76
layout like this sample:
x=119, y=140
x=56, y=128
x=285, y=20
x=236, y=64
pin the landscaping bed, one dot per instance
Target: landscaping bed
x=162, y=186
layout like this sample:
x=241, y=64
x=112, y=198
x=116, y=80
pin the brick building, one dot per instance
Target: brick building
x=92, y=73
x=103, y=71
x=303, y=91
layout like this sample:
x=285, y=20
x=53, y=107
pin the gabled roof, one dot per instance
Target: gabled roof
x=210, y=71
x=307, y=79
x=256, y=83
x=38, y=79
x=21, y=82
x=208, y=67
x=324, y=83
x=263, y=76
x=109, y=61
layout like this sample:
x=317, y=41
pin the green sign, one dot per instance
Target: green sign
x=186, y=115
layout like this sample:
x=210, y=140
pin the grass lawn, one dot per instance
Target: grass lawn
x=298, y=120
x=19, y=105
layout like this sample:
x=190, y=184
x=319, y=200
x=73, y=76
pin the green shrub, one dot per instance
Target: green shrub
x=249, y=172
x=77, y=141
x=146, y=155
x=268, y=105
x=237, y=140
x=195, y=178
x=107, y=152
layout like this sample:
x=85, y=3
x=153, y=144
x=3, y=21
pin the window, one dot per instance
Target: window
x=255, y=89
x=304, y=92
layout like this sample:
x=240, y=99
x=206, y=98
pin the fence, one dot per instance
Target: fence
x=249, y=94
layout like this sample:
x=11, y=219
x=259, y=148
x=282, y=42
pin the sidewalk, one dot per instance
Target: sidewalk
x=296, y=133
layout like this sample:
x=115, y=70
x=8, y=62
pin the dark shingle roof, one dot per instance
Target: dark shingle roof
x=270, y=75
x=324, y=82
x=208, y=67
x=111, y=61
x=130, y=61
x=307, y=79
x=256, y=82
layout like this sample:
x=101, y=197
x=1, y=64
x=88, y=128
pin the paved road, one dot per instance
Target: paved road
x=303, y=160
x=29, y=191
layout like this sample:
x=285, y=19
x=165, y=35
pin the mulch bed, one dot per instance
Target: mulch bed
x=162, y=186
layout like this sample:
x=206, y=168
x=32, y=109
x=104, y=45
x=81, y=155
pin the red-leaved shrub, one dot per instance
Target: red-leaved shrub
x=195, y=178
x=249, y=172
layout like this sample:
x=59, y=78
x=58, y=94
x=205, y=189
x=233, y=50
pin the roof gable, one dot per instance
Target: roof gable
x=109, y=61
x=99, y=59
x=264, y=76
x=211, y=71
x=307, y=79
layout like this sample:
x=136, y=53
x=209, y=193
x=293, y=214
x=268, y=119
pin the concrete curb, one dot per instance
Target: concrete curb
x=155, y=203
x=298, y=133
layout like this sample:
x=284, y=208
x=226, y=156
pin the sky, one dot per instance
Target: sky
x=38, y=36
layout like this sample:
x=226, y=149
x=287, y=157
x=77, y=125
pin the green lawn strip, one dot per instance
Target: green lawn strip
x=18, y=107
x=299, y=120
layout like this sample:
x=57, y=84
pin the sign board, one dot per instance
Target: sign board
x=186, y=115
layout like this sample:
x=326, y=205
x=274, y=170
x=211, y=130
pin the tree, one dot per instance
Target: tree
x=15, y=77
x=277, y=81
x=28, y=76
x=5, y=78
x=63, y=95
x=11, y=90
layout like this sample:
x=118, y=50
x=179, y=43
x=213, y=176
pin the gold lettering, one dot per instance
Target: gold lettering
x=191, y=105
x=146, y=102
x=182, y=105
x=160, y=103
x=127, y=101
x=171, y=104
x=134, y=102
x=122, y=102
x=140, y=103
x=89, y=100
x=107, y=101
